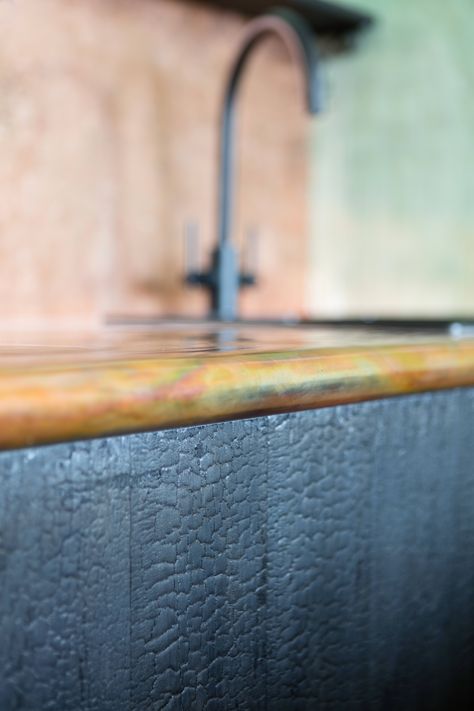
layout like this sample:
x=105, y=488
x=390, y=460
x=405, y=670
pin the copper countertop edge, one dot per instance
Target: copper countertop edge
x=42, y=404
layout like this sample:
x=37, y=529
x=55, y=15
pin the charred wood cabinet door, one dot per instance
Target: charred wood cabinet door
x=316, y=560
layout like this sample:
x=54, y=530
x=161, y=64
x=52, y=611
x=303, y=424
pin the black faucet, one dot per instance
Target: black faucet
x=224, y=279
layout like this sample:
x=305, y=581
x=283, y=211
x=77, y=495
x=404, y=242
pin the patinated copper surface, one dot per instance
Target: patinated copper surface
x=56, y=387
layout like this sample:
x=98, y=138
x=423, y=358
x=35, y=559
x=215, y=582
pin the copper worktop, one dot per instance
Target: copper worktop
x=63, y=386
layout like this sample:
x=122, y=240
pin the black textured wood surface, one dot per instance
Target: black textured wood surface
x=317, y=560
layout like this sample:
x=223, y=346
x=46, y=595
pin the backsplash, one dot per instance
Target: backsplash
x=108, y=137
x=393, y=184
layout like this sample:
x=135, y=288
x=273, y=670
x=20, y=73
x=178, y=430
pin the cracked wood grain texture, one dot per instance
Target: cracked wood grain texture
x=316, y=560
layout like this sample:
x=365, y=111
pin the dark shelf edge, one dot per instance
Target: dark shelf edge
x=326, y=18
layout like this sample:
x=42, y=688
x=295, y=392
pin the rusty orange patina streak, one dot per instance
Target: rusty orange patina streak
x=41, y=403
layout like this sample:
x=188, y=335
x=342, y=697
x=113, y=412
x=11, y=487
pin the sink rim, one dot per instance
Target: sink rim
x=452, y=325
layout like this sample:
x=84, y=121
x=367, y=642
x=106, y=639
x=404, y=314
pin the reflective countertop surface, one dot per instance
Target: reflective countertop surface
x=164, y=339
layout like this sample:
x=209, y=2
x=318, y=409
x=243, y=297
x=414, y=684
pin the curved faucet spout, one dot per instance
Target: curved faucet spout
x=224, y=278
x=299, y=40
x=298, y=37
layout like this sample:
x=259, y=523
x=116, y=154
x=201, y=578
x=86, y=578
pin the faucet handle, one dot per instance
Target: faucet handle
x=247, y=276
x=193, y=275
x=191, y=247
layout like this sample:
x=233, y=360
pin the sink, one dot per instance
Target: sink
x=461, y=326
x=457, y=326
